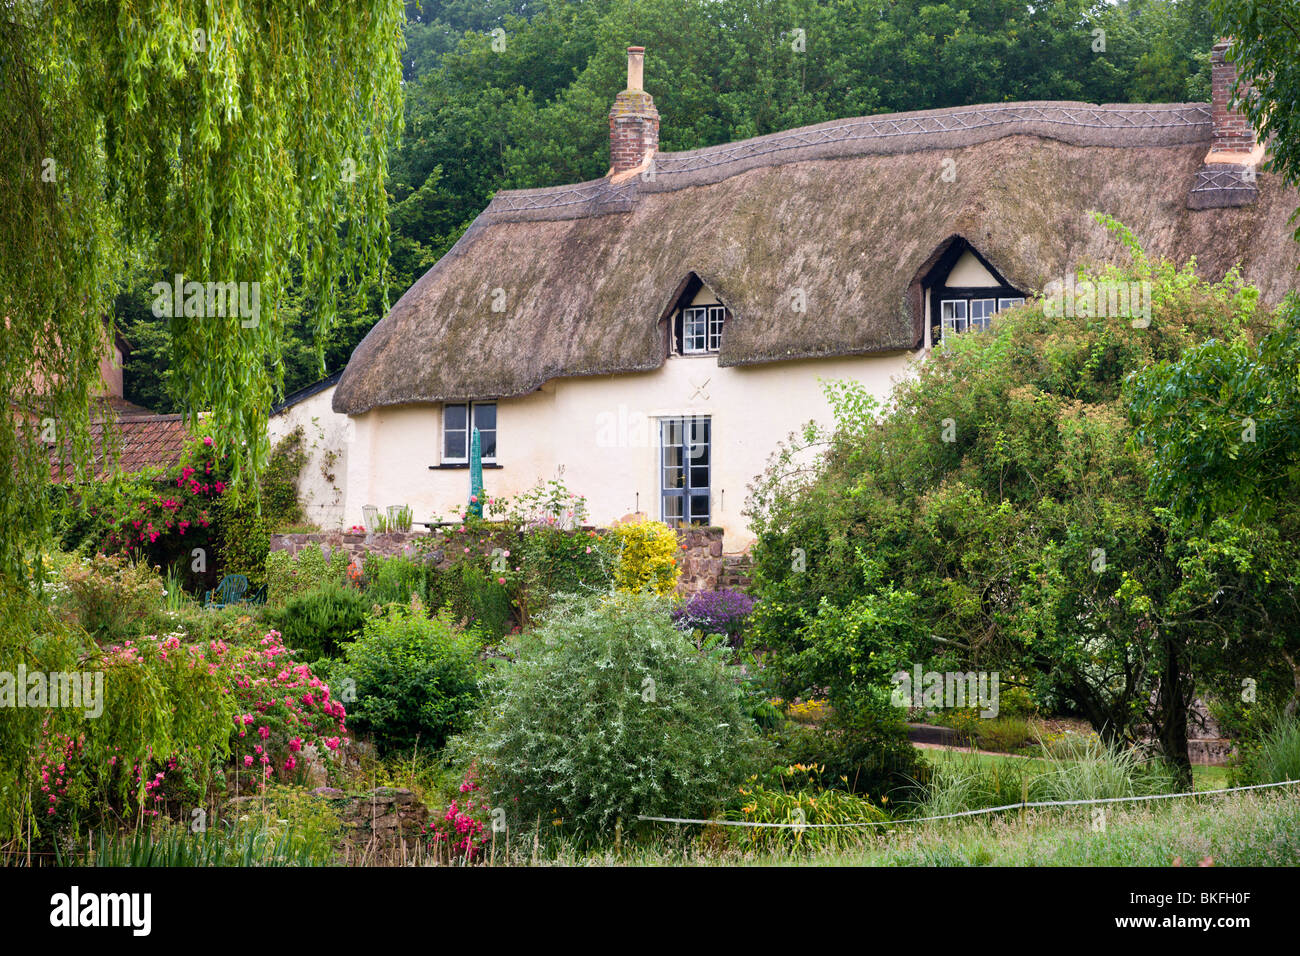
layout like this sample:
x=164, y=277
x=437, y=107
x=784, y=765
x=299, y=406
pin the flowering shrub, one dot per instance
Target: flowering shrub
x=715, y=612
x=286, y=718
x=647, y=557
x=158, y=514
x=165, y=715
x=462, y=829
x=546, y=505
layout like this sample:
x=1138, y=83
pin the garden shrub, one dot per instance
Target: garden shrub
x=866, y=752
x=606, y=712
x=286, y=718
x=474, y=597
x=61, y=771
x=647, y=557
x=415, y=677
x=288, y=575
x=559, y=562
x=109, y=595
x=156, y=514
x=319, y=622
x=395, y=579
x=716, y=612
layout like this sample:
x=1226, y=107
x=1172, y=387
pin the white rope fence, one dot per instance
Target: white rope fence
x=969, y=813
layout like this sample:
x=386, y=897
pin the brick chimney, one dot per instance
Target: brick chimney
x=1228, y=173
x=633, y=120
x=1232, y=130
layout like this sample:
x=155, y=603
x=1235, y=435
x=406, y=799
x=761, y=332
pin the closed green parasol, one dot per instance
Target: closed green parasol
x=475, y=475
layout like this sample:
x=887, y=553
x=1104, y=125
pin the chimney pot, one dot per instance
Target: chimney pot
x=635, y=67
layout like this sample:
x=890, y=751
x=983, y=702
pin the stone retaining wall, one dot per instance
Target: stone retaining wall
x=701, y=561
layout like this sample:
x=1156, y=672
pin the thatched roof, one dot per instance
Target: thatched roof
x=851, y=212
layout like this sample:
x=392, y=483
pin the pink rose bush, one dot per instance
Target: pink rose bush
x=462, y=831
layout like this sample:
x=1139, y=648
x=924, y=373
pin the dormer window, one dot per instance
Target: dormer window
x=700, y=329
x=695, y=316
x=963, y=290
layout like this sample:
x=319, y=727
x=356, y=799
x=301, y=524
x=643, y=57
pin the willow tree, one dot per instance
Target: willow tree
x=242, y=143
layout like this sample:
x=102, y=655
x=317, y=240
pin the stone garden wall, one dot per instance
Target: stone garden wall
x=703, y=566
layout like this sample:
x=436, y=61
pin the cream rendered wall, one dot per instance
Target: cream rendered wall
x=967, y=271
x=324, y=431
x=600, y=434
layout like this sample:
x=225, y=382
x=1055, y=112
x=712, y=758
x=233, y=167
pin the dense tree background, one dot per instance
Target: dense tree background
x=534, y=113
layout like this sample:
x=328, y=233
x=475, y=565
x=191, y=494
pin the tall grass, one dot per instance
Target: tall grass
x=1276, y=757
x=174, y=845
x=1071, y=768
x=1084, y=768
x=174, y=596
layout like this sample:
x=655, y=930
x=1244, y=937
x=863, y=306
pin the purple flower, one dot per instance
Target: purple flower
x=715, y=612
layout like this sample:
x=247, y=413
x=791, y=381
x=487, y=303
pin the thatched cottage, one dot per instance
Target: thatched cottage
x=652, y=335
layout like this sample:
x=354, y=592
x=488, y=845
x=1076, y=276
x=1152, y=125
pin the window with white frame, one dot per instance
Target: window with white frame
x=981, y=310
x=458, y=422
x=953, y=314
x=700, y=329
x=973, y=313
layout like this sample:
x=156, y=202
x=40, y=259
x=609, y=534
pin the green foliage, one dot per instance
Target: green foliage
x=245, y=525
x=225, y=158
x=865, y=753
x=91, y=764
x=805, y=796
x=647, y=557
x=320, y=622
x=416, y=678
x=284, y=828
x=606, y=712
x=395, y=579
x=1273, y=757
x=474, y=596
x=108, y=596
x=1086, y=768
x=288, y=575
x=559, y=562
x=996, y=517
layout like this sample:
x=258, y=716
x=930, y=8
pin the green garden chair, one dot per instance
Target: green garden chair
x=229, y=591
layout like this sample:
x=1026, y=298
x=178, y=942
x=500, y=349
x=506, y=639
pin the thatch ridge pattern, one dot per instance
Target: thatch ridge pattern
x=1081, y=124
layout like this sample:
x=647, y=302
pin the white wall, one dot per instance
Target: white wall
x=601, y=433
x=324, y=431
x=968, y=272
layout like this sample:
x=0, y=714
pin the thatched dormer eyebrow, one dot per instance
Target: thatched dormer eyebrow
x=848, y=212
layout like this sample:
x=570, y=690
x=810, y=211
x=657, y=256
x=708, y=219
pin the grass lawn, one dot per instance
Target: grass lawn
x=1249, y=829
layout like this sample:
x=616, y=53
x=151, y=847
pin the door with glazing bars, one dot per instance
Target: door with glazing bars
x=685, y=470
